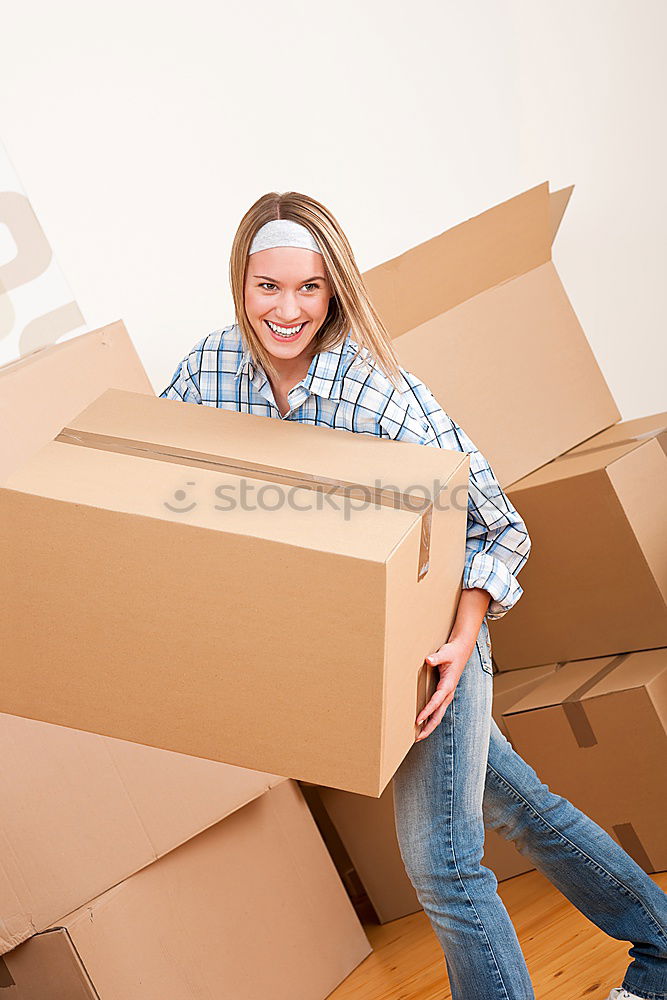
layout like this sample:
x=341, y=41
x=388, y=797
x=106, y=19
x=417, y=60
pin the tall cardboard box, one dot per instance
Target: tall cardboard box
x=479, y=313
x=42, y=390
x=252, y=908
x=596, y=580
x=286, y=638
x=596, y=732
x=82, y=812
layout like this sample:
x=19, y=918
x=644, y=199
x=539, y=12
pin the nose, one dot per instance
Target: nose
x=288, y=308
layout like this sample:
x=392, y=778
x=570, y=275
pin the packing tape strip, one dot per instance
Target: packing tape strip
x=271, y=473
x=575, y=711
x=632, y=845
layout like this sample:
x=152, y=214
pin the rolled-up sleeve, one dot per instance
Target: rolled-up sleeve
x=497, y=540
x=184, y=384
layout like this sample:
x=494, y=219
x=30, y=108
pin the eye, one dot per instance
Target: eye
x=311, y=284
x=263, y=284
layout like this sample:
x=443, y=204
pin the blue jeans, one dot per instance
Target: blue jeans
x=465, y=775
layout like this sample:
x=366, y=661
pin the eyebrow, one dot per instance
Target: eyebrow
x=316, y=277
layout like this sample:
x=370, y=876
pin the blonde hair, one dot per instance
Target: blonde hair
x=350, y=307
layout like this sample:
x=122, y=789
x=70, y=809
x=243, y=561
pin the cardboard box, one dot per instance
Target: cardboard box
x=511, y=686
x=596, y=580
x=41, y=391
x=82, y=812
x=480, y=315
x=252, y=908
x=596, y=732
x=290, y=639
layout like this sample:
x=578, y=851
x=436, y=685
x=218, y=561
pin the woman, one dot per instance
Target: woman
x=309, y=346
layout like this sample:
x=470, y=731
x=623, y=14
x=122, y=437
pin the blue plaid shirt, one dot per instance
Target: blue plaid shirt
x=357, y=397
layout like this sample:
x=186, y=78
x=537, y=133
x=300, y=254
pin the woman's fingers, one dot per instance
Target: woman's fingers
x=445, y=689
x=435, y=719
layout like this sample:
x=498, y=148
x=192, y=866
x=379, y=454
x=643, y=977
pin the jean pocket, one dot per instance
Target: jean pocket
x=484, y=647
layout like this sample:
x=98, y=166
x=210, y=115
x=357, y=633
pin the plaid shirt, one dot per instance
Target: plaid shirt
x=357, y=397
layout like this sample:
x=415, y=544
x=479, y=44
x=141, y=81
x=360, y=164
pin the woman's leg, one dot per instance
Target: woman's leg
x=582, y=861
x=438, y=794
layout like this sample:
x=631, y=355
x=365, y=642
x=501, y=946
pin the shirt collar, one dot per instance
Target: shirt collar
x=324, y=376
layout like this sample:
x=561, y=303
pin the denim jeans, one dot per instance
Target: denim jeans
x=465, y=775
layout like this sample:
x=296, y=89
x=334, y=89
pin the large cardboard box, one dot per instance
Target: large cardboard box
x=596, y=580
x=596, y=732
x=252, y=909
x=42, y=390
x=480, y=315
x=82, y=812
x=150, y=601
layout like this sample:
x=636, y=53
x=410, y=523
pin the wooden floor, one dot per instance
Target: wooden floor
x=568, y=957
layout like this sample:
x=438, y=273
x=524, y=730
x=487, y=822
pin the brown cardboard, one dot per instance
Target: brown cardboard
x=596, y=732
x=596, y=580
x=82, y=812
x=168, y=653
x=251, y=908
x=512, y=685
x=41, y=391
x=480, y=315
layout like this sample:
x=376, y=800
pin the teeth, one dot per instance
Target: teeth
x=283, y=331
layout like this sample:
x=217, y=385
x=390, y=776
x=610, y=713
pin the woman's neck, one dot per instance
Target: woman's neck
x=290, y=371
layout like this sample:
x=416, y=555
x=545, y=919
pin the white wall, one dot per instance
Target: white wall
x=143, y=131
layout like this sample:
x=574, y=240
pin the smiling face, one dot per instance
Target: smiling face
x=286, y=298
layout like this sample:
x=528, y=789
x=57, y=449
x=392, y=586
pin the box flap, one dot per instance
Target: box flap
x=582, y=461
x=581, y=680
x=558, y=202
x=42, y=390
x=625, y=431
x=321, y=452
x=487, y=250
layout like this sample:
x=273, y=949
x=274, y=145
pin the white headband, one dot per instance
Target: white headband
x=283, y=233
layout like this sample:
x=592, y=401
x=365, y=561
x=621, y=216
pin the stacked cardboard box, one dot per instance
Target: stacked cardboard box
x=595, y=606
x=596, y=732
x=124, y=866
x=251, y=908
x=596, y=580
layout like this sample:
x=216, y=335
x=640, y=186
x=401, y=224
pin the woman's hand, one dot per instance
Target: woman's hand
x=450, y=659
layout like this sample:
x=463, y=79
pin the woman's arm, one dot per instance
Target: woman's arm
x=497, y=546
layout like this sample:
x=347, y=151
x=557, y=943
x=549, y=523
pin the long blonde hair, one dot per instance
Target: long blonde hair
x=350, y=307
